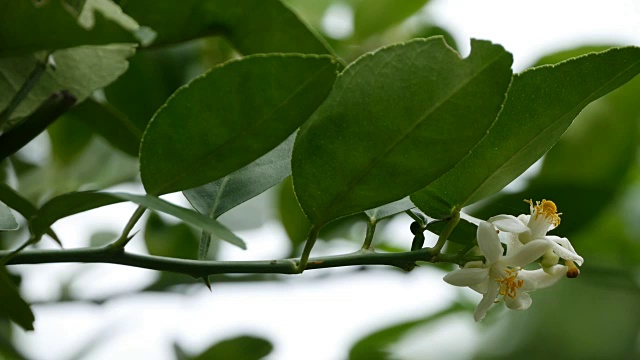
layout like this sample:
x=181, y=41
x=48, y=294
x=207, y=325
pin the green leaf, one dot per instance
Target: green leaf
x=373, y=17
x=176, y=241
x=77, y=202
x=390, y=209
x=396, y=119
x=80, y=70
x=7, y=220
x=50, y=25
x=13, y=306
x=220, y=196
x=375, y=346
x=244, y=347
x=253, y=26
x=585, y=171
x=230, y=116
x=541, y=104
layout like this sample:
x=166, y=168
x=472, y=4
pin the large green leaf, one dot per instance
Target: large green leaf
x=26, y=27
x=77, y=202
x=13, y=306
x=7, y=220
x=372, y=17
x=80, y=70
x=541, y=104
x=587, y=168
x=230, y=116
x=396, y=119
x=253, y=26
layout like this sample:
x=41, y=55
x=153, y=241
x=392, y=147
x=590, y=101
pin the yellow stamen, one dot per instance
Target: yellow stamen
x=509, y=284
x=548, y=209
x=573, y=270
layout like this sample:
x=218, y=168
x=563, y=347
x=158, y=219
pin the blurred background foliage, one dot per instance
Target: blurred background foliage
x=592, y=174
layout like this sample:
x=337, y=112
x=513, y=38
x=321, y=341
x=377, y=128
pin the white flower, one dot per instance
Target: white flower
x=503, y=274
x=544, y=217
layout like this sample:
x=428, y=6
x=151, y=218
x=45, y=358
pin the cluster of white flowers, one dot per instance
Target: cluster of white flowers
x=526, y=242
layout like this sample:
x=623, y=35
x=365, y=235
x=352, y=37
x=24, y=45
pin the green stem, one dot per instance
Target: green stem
x=371, y=229
x=29, y=83
x=198, y=269
x=444, y=235
x=311, y=240
x=124, y=239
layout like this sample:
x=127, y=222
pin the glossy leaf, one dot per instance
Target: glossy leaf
x=541, y=104
x=13, y=306
x=50, y=25
x=230, y=116
x=371, y=17
x=389, y=209
x=76, y=202
x=253, y=26
x=79, y=70
x=585, y=171
x=396, y=119
x=7, y=220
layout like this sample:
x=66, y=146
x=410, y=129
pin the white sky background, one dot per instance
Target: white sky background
x=307, y=316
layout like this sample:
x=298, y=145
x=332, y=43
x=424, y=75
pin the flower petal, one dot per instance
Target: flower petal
x=466, y=277
x=566, y=253
x=489, y=242
x=522, y=301
x=487, y=300
x=482, y=287
x=564, y=242
x=539, y=279
x=508, y=223
x=527, y=254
